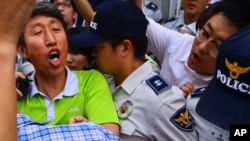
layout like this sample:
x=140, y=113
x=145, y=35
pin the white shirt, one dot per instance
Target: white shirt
x=149, y=116
x=172, y=49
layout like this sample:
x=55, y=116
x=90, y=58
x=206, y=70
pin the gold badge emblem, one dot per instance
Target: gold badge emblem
x=235, y=70
x=183, y=120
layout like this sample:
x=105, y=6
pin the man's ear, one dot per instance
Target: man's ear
x=22, y=51
x=126, y=46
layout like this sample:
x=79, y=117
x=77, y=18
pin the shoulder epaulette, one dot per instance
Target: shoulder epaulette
x=158, y=84
x=170, y=19
x=198, y=92
x=152, y=6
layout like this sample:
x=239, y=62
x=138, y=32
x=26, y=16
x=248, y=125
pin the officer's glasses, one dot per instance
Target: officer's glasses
x=63, y=4
x=203, y=36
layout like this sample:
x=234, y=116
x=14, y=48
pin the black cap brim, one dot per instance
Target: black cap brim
x=222, y=108
x=87, y=39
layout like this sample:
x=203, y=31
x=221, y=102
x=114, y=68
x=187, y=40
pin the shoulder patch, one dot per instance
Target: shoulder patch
x=152, y=6
x=198, y=92
x=183, y=120
x=158, y=84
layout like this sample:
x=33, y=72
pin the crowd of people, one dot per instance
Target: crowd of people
x=89, y=76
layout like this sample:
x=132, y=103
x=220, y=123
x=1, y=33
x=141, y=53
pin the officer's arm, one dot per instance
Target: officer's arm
x=85, y=10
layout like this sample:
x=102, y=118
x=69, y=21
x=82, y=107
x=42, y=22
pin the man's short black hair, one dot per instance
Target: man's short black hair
x=45, y=9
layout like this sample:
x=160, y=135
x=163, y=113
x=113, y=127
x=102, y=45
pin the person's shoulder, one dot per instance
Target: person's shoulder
x=152, y=10
x=174, y=22
x=171, y=20
x=163, y=89
x=92, y=76
x=172, y=96
x=91, y=72
x=160, y=85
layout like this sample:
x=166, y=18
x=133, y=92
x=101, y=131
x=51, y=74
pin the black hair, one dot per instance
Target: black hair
x=45, y=9
x=236, y=11
x=206, y=15
x=139, y=43
x=72, y=32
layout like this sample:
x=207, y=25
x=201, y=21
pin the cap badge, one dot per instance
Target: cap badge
x=125, y=109
x=235, y=70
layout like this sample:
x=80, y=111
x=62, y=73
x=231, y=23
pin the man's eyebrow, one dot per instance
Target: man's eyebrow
x=65, y=1
x=53, y=21
x=68, y=1
x=34, y=25
x=210, y=27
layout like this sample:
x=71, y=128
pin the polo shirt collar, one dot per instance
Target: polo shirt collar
x=70, y=88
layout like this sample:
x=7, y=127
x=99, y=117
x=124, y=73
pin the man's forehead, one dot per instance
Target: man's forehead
x=41, y=19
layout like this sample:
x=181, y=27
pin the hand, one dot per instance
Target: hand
x=15, y=13
x=187, y=89
x=19, y=93
x=77, y=119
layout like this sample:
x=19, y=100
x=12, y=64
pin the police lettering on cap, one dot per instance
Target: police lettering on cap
x=227, y=97
x=114, y=19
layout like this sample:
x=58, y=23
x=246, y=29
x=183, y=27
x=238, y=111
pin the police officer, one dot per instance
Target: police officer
x=185, y=21
x=148, y=106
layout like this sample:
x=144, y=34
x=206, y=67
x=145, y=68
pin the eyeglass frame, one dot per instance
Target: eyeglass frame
x=213, y=46
x=63, y=4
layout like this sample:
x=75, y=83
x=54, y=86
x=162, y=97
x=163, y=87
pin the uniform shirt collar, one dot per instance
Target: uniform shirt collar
x=70, y=88
x=136, y=77
x=180, y=20
x=180, y=24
